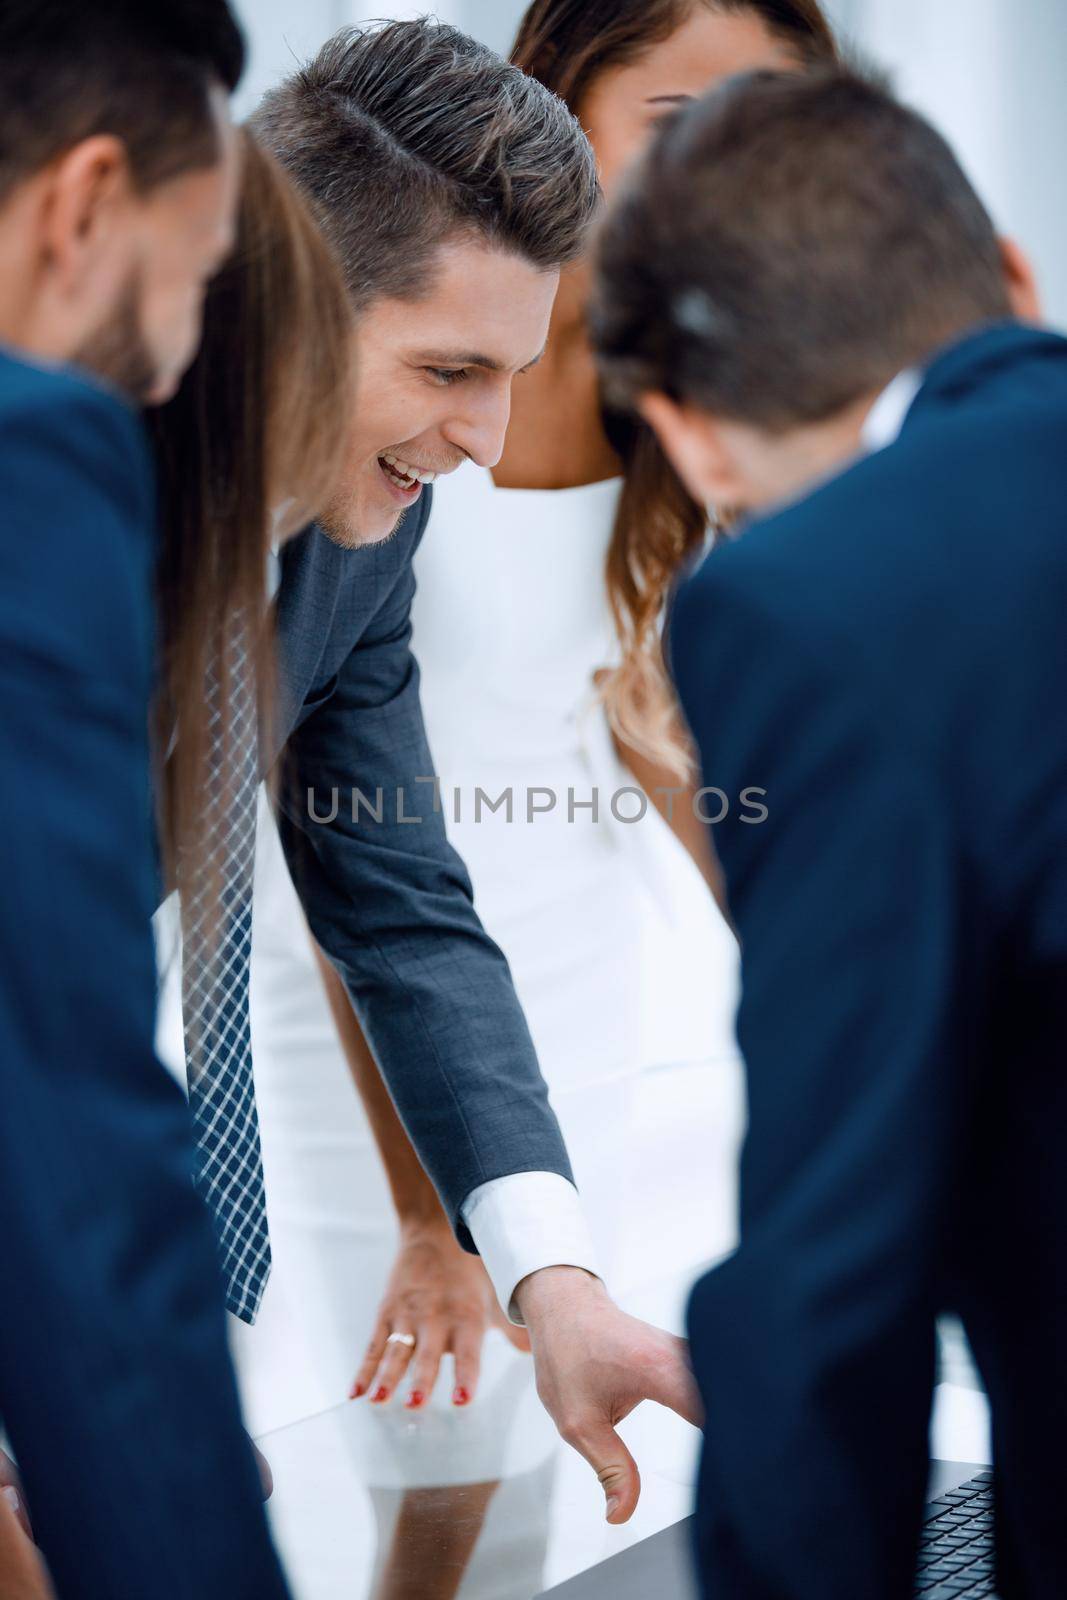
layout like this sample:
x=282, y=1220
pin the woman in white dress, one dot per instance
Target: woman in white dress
x=544, y=683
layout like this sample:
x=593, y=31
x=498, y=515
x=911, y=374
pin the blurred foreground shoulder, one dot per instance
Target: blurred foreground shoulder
x=77, y=555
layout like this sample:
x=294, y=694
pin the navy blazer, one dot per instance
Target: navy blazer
x=888, y=659
x=386, y=896
x=115, y=1383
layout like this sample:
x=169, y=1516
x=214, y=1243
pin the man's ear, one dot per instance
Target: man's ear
x=696, y=447
x=1021, y=281
x=87, y=193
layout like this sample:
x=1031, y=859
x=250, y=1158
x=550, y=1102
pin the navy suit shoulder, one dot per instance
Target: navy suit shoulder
x=918, y=599
x=72, y=459
x=976, y=460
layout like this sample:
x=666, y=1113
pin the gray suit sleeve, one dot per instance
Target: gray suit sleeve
x=391, y=904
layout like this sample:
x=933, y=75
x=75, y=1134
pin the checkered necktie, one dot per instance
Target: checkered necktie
x=215, y=982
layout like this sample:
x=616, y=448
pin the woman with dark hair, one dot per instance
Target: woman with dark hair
x=622, y=65
x=249, y=451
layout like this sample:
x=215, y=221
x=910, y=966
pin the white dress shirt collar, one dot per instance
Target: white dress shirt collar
x=274, y=573
x=889, y=412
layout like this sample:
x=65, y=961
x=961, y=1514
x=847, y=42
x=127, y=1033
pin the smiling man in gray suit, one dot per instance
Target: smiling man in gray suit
x=454, y=188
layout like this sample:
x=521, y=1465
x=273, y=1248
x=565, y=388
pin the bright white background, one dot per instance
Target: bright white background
x=991, y=74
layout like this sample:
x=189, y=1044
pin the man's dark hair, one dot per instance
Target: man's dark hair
x=408, y=134
x=138, y=69
x=788, y=245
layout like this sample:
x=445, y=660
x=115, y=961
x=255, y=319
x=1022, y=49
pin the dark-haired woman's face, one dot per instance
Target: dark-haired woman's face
x=622, y=108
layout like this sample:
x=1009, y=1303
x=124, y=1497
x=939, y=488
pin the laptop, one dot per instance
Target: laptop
x=955, y=1561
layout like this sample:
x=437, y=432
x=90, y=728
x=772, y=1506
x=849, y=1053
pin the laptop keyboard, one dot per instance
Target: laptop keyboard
x=956, y=1555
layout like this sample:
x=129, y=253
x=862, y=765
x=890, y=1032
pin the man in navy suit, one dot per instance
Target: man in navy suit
x=806, y=299
x=118, y=183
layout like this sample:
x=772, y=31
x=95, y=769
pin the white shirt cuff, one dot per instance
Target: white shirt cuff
x=524, y=1222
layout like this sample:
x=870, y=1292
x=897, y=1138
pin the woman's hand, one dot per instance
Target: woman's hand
x=442, y=1296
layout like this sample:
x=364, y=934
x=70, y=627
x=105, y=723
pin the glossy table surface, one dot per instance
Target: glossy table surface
x=485, y=1503
x=373, y=1506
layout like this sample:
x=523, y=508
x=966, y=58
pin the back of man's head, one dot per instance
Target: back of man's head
x=140, y=70
x=408, y=134
x=790, y=244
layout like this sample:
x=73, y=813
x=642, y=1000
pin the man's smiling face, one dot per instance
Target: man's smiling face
x=434, y=381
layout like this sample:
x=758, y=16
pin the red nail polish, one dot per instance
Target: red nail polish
x=357, y=1390
x=461, y=1397
x=415, y=1399
x=379, y=1395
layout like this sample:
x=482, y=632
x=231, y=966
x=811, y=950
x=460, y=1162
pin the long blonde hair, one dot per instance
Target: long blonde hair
x=261, y=419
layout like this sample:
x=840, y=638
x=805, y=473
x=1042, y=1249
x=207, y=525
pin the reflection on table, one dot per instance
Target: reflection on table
x=380, y=1505
x=476, y=1504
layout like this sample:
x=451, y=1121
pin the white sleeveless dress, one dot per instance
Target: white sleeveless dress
x=511, y=622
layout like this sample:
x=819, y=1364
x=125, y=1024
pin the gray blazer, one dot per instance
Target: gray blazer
x=387, y=897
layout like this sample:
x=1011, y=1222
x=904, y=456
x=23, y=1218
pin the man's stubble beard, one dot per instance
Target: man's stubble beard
x=118, y=351
x=341, y=531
